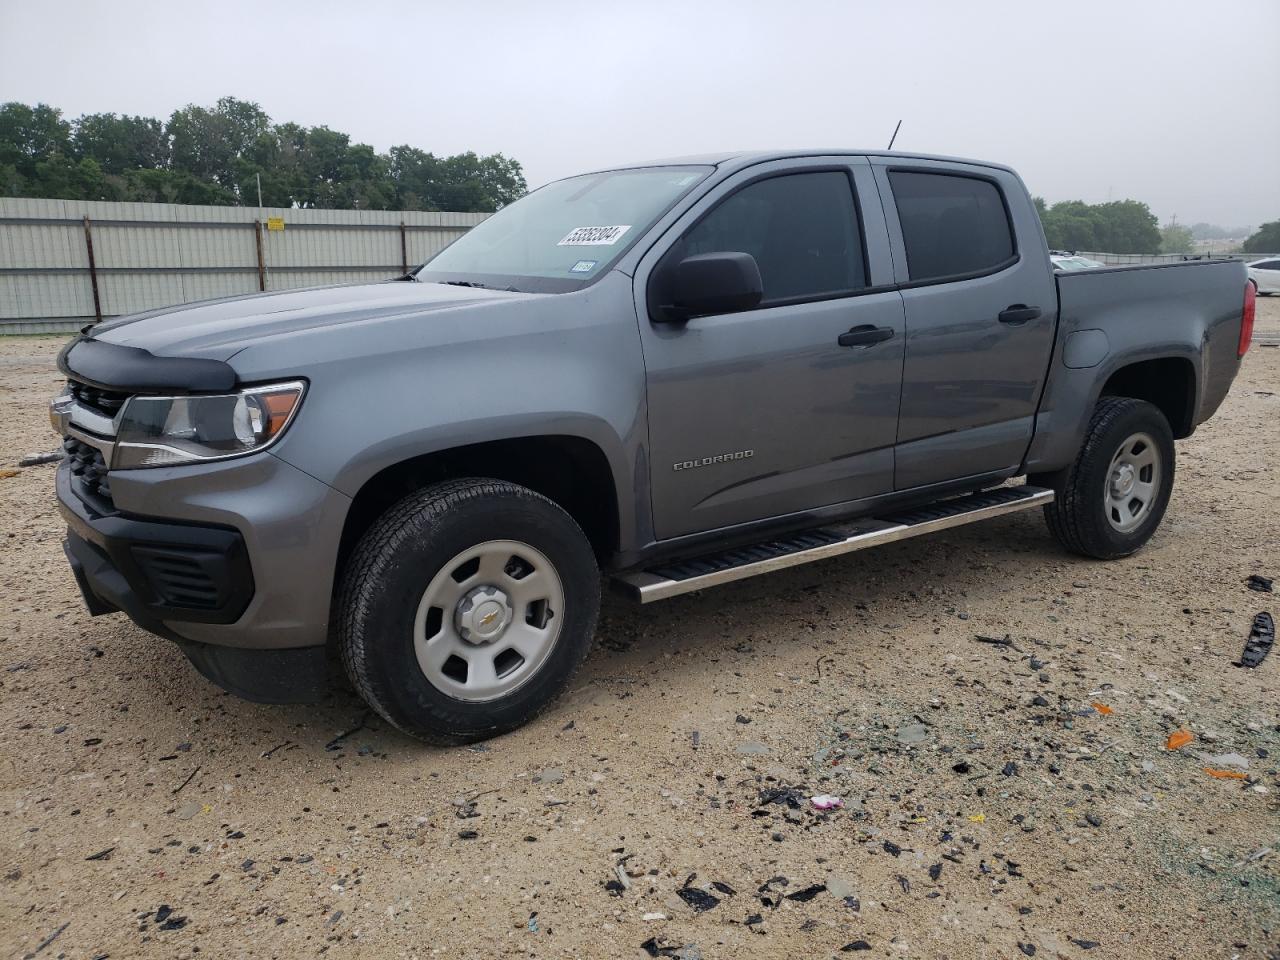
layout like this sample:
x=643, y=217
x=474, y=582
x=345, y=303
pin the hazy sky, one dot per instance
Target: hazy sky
x=1170, y=102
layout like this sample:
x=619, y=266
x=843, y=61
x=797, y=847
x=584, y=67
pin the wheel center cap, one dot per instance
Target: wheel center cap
x=1122, y=480
x=482, y=616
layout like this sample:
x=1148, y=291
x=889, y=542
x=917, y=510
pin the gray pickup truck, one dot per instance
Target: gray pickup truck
x=675, y=374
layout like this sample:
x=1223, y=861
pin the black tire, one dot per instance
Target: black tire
x=1078, y=517
x=391, y=568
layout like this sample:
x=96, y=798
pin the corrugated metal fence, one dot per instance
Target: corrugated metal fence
x=64, y=263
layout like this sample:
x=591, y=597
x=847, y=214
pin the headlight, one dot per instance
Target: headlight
x=162, y=431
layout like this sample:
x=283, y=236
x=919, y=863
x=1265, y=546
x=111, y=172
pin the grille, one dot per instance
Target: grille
x=88, y=467
x=107, y=402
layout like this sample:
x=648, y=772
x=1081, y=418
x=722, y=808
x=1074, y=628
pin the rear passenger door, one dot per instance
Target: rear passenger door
x=981, y=310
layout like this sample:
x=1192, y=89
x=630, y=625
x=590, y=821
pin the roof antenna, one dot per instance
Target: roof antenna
x=895, y=135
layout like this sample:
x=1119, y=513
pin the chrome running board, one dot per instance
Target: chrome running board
x=686, y=576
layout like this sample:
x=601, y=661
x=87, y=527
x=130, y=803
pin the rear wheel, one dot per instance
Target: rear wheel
x=1110, y=501
x=466, y=608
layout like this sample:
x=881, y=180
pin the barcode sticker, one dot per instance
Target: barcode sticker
x=593, y=236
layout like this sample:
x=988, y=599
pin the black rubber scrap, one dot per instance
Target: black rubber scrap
x=1086, y=944
x=807, y=894
x=856, y=945
x=1261, y=639
x=1259, y=583
x=699, y=900
x=655, y=948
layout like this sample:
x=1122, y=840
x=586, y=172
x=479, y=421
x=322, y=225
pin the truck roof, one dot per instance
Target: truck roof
x=744, y=158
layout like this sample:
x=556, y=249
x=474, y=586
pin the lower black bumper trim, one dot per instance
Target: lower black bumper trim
x=298, y=675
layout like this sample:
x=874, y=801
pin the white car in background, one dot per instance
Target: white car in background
x=1266, y=274
x=1071, y=262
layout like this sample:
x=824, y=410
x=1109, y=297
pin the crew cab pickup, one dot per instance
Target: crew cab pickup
x=673, y=374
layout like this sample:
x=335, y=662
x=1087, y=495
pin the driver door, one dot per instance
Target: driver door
x=792, y=405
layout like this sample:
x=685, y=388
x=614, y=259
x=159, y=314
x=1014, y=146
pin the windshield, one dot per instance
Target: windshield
x=562, y=236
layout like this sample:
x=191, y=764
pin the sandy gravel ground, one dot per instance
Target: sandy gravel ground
x=999, y=801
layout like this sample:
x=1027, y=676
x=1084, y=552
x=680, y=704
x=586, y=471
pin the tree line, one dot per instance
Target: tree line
x=1128, y=226
x=215, y=155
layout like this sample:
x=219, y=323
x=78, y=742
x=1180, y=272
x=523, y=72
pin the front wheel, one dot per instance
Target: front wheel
x=466, y=608
x=1110, y=501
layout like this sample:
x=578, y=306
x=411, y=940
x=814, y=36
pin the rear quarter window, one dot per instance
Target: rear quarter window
x=952, y=225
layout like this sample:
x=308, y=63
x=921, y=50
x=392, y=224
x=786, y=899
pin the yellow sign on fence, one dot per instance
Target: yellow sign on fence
x=275, y=223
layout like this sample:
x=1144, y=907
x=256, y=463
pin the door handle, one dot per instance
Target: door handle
x=1018, y=314
x=865, y=336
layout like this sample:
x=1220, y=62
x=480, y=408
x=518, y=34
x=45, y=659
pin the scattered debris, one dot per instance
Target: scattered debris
x=1262, y=636
x=665, y=948
x=1179, y=739
x=699, y=900
x=167, y=919
x=48, y=940
x=35, y=459
x=336, y=742
x=1226, y=774
x=1232, y=760
x=807, y=894
x=1005, y=641
x=1255, y=582
x=6, y=474
x=793, y=797
x=101, y=854
x=855, y=946
x=189, y=810
x=1102, y=708
x=913, y=733
x=191, y=776
x=549, y=775
x=825, y=801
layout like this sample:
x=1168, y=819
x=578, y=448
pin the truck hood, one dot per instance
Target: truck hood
x=218, y=329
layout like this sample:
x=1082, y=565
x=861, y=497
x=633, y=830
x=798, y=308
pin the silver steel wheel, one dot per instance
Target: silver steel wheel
x=488, y=620
x=1133, y=482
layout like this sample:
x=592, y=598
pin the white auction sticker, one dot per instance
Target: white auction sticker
x=593, y=236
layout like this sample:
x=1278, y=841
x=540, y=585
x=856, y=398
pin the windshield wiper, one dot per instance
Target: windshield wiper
x=462, y=283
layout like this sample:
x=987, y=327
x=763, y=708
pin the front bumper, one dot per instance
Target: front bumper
x=154, y=571
x=234, y=561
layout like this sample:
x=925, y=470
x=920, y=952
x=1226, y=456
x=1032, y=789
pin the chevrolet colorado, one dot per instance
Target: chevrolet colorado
x=677, y=374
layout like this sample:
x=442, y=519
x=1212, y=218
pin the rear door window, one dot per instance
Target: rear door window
x=952, y=225
x=802, y=229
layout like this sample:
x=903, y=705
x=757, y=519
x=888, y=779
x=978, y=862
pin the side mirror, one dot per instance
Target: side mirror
x=710, y=283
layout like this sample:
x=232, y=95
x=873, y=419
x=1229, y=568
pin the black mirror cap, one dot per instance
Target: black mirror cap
x=711, y=283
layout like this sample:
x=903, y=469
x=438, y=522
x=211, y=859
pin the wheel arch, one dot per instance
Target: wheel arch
x=1167, y=382
x=570, y=470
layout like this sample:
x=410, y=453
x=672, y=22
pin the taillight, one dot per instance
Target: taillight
x=1246, y=317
